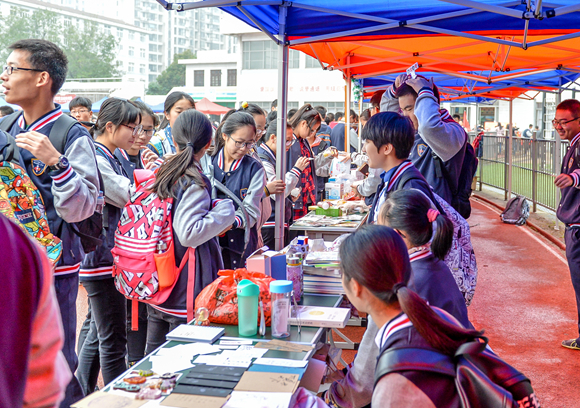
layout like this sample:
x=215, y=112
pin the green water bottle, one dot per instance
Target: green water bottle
x=248, y=294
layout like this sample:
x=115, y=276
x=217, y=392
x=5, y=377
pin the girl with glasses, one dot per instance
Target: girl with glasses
x=244, y=176
x=162, y=142
x=105, y=345
x=305, y=124
x=267, y=153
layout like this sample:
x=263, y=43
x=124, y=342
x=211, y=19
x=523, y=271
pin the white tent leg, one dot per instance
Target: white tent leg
x=510, y=151
x=557, y=153
x=347, y=108
x=283, y=51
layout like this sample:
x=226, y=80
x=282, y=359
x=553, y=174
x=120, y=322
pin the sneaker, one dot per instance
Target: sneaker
x=573, y=344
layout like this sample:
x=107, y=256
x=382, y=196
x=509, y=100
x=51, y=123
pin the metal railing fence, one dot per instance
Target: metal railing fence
x=533, y=167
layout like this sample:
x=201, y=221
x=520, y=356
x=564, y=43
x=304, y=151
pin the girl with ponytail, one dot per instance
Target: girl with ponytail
x=428, y=235
x=197, y=220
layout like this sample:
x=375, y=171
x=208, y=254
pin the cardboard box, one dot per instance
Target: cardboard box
x=271, y=263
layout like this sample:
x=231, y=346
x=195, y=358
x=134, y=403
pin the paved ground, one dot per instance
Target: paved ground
x=525, y=302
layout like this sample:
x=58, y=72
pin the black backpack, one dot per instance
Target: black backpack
x=517, y=211
x=460, y=195
x=88, y=230
x=482, y=379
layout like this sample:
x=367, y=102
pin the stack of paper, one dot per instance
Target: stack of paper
x=322, y=273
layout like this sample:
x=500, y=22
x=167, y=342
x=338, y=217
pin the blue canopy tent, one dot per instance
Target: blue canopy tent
x=447, y=36
x=159, y=108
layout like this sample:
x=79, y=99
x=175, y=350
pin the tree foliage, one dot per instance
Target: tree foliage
x=91, y=54
x=174, y=75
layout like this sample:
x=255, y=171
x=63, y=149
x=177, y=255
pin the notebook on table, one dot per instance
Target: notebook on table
x=185, y=332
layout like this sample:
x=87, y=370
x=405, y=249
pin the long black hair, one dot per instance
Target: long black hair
x=408, y=211
x=376, y=257
x=170, y=101
x=307, y=113
x=117, y=111
x=191, y=132
x=235, y=120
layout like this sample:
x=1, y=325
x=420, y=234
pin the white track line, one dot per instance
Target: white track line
x=531, y=234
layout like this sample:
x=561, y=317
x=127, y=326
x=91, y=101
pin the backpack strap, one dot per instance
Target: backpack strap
x=190, y=299
x=59, y=132
x=8, y=121
x=9, y=152
x=413, y=359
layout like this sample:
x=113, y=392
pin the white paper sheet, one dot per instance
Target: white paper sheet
x=241, y=399
x=281, y=362
x=169, y=364
x=227, y=361
x=188, y=350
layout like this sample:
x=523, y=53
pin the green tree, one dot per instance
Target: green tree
x=174, y=75
x=90, y=53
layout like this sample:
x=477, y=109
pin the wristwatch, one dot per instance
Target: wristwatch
x=61, y=164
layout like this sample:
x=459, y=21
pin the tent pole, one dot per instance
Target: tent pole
x=360, y=104
x=510, y=151
x=347, y=109
x=283, y=51
x=557, y=154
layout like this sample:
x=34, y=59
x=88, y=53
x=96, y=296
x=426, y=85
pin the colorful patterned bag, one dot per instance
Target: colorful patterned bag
x=221, y=299
x=21, y=201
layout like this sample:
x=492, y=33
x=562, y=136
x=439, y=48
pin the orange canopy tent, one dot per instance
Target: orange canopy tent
x=208, y=107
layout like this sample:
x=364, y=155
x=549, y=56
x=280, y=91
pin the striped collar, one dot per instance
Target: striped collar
x=398, y=323
x=268, y=151
x=124, y=154
x=575, y=139
x=421, y=254
x=102, y=148
x=41, y=122
x=221, y=162
x=398, y=173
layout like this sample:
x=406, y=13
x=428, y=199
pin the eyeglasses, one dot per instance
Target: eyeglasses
x=10, y=69
x=311, y=130
x=260, y=132
x=148, y=132
x=79, y=112
x=556, y=122
x=136, y=130
x=243, y=145
x=291, y=142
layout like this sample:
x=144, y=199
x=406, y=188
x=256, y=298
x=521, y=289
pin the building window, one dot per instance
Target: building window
x=215, y=77
x=142, y=53
x=232, y=77
x=142, y=69
x=312, y=62
x=131, y=35
x=264, y=55
x=131, y=67
x=131, y=51
x=198, y=77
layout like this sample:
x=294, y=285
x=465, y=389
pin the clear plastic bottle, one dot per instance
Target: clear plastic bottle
x=280, y=292
x=295, y=275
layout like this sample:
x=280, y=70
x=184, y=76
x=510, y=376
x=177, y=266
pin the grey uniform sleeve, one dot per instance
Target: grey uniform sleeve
x=193, y=224
x=356, y=388
x=322, y=164
x=118, y=189
x=252, y=200
x=76, y=188
x=370, y=184
x=291, y=179
x=388, y=102
x=445, y=138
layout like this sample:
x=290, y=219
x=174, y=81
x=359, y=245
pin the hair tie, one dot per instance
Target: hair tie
x=397, y=287
x=432, y=214
x=189, y=144
x=245, y=105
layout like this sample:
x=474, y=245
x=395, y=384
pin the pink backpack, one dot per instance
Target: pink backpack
x=144, y=267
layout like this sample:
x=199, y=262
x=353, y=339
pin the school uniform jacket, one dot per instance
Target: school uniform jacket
x=568, y=211
x=69, y=195
x=246, y=179
x=291, y=178
x=162, y=142
x=393, y=181
x=437, y=133
x=197, y=220
x=98, y=265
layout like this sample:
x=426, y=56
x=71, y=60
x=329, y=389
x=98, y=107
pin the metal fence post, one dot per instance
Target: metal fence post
x=534, y=170
x=482, y=144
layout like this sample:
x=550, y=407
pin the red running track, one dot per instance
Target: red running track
x=525, y=302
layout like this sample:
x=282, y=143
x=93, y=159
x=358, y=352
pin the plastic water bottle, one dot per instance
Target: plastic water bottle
x=294, y=274
x=280, y=294
x=248, y=294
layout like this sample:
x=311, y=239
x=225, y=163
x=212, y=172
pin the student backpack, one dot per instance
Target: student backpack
x=517, y=211
x=461, y=257
x=482, y=380
x=21, y=202
x=90, y=229
x=144, y=266
x=461, y=193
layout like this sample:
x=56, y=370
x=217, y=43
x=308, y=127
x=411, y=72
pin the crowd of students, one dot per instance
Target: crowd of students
x=224, y=187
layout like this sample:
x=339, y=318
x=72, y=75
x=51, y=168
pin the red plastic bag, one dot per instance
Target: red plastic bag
x=221, y=299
